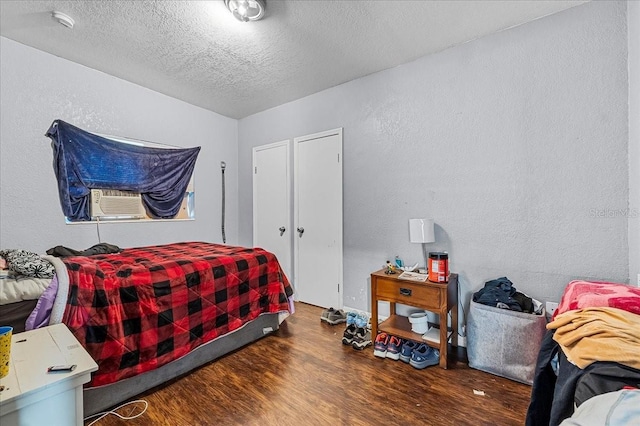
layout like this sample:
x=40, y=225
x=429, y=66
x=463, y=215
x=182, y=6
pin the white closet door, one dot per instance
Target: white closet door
x=271, y=202
x=318, y=218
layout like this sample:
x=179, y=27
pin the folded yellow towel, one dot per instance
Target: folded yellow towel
x=598, y=334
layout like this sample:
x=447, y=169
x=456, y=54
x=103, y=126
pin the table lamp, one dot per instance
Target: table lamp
x=422, y=231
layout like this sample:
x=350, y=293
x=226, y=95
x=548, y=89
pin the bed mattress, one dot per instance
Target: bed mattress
x=144, y=307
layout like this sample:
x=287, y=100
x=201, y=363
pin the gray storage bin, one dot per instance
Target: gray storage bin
x=504, y=342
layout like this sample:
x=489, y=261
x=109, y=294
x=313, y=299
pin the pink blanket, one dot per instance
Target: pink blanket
x=588, y=294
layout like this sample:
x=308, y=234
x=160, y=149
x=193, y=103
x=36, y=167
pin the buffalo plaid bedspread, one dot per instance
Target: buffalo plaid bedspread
x=141, y=308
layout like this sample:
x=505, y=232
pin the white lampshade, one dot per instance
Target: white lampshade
x=421, y=231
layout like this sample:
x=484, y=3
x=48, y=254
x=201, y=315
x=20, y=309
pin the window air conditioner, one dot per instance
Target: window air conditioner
x=114, y=203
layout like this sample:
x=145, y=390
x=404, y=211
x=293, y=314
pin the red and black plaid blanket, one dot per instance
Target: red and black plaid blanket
x=143, y=307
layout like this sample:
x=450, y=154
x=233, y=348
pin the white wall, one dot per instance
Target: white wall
x=516, y=144
x=633, y=20
x=37, y=88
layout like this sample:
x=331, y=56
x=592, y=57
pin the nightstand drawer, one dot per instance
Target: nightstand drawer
x=409, y=293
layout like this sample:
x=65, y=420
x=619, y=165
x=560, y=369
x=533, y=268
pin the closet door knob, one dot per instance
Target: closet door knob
x=282, y=229
x=300, y=231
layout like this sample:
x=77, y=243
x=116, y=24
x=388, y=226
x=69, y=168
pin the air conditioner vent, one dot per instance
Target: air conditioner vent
x=115, y=203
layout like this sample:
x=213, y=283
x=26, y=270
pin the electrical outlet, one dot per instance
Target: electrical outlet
x=551, y=307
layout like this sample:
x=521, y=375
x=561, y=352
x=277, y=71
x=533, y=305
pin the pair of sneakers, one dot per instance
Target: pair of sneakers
x=387, y=346
x=333, y=316
x=419, y=355
x=357, y=333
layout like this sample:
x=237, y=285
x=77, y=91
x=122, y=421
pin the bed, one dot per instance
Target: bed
x=18, y=297
x=588, y=366
x=149, y=314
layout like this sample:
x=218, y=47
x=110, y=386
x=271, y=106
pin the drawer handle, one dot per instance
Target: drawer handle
x=405, y=291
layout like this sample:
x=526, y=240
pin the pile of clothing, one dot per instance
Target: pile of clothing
x=589, y=358
x=101, y=248
x=501, y=293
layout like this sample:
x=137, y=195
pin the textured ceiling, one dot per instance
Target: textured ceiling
x=196, y=51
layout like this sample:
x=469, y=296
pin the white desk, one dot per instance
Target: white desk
x=31, y=395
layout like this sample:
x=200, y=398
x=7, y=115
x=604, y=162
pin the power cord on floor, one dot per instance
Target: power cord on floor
x=129, y=416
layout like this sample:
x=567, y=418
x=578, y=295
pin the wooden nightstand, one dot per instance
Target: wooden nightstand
x=31, y=395
x=439, y=298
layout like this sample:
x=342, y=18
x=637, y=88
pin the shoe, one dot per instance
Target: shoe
x=380, y=345
x=424, y=356
x=335, y=317
x=325, y=314
x=394, y=347
x=349, y=334
x=362, y=321
x=362, y=339
x=407, y=348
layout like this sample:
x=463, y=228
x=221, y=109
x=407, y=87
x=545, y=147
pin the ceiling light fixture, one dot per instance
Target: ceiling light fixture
x=246, y=10
x=63, y=19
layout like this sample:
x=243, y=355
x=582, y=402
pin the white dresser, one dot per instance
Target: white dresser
x=31, y=395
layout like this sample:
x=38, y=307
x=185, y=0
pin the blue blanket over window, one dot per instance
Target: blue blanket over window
x=83, y=161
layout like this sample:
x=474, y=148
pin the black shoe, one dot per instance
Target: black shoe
x=362, y=339
x=349, y=334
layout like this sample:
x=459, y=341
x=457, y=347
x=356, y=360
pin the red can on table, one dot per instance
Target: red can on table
x=438, y=267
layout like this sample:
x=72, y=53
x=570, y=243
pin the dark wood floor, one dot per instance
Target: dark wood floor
x=303, y=374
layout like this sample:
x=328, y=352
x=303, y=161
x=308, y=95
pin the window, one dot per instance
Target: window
x=110, y=205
